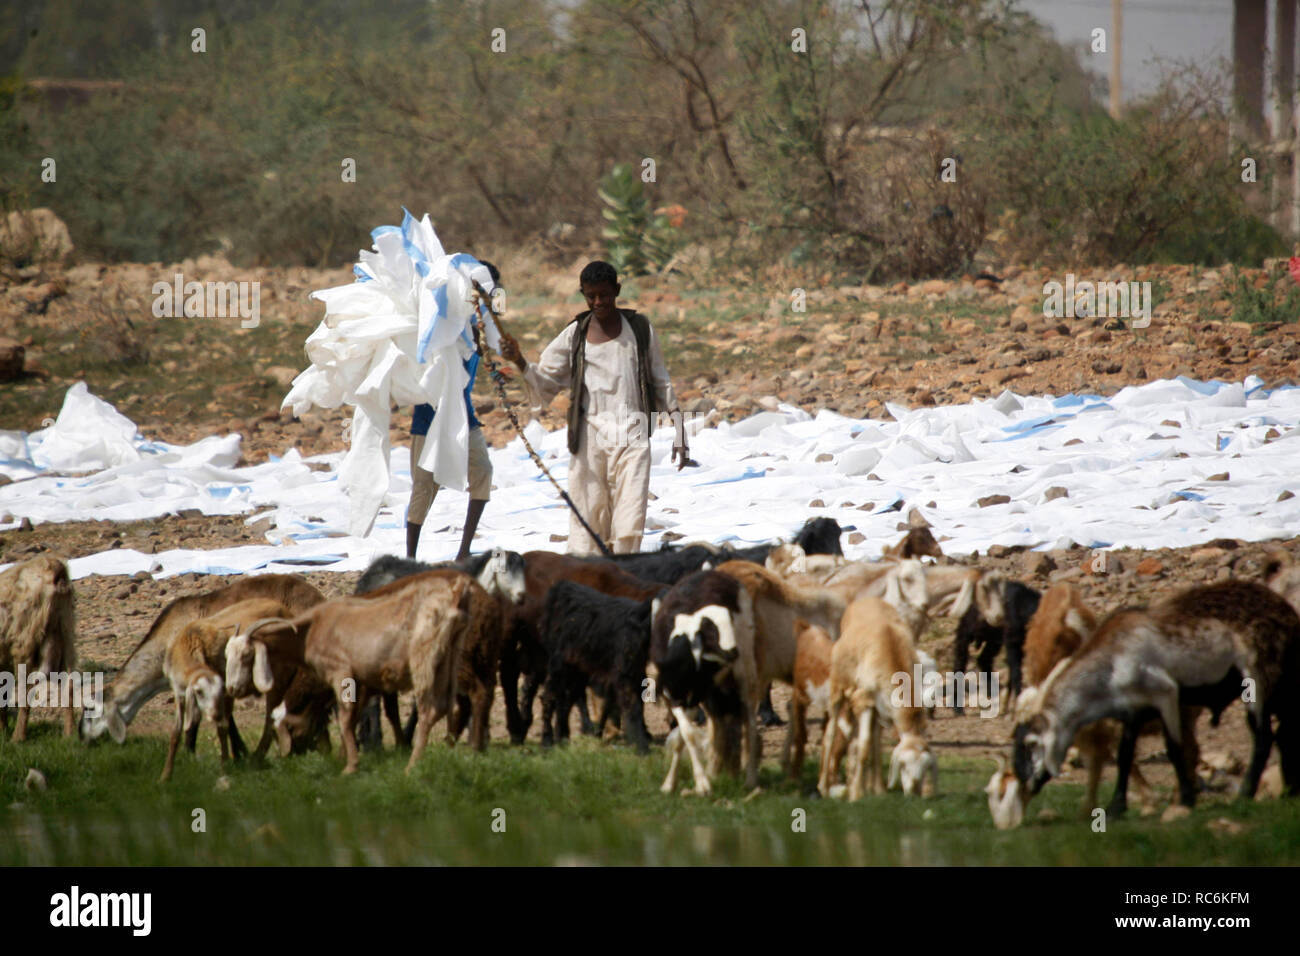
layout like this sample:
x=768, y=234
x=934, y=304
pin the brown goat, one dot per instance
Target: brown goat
x=37, y=629
x=876, y=646
x=141, y=677
x=194, y=664
x=771, y=653
x=812, y=687
x=402, y=637
x=480, y=653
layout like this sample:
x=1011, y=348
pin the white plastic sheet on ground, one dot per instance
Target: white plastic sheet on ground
x=398, y=334
x=1132, y=480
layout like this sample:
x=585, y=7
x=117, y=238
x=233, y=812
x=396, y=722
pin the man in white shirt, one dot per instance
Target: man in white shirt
x=610, y=361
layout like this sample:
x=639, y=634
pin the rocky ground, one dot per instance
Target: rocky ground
x=735, y=347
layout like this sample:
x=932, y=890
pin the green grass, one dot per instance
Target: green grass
x=586, y=803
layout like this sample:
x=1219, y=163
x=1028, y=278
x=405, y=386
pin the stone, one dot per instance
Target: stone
x=34, y=235
x=990, y=500
x=1056, y=491
x=1039, y=564
x=1150, y=567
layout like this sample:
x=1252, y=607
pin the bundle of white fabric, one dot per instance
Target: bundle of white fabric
x=400, y=333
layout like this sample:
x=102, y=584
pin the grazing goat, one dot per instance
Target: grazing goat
x=766, y=641
x=501, y=577
x=875, y=653
x=693, y=645
x=37, y=630
x=141, y=677
x=194, y=664
x=593, y=638
x=997, y=617
x=269, y=661
x=1198, y=648
x=1060, y=626
x=406, y=636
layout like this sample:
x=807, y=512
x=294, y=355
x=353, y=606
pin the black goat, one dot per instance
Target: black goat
x=593, y=638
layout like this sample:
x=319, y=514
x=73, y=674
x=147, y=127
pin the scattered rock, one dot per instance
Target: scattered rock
x=990, y=500
x=34, y=235
x=816, y=503
x=1056, y=491
x=857, y=537
x=1039, y=564
x=1221, y=476
x=1150, y=567
x=1174, y=813
x=1285, y=496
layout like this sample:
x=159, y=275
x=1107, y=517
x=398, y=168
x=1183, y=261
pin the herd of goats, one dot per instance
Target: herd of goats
x=704, y=630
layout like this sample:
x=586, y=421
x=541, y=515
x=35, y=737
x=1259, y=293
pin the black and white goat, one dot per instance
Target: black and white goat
x=693, y=647
x=996, y=616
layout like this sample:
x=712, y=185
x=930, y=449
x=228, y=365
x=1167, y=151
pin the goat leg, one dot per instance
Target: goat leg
x=174, y=740
x=509, y=671
x=1261, y=728
x=20, y=728
x=634, y=720
x=347, y=729
x=238, y=749
x=394, y=716
x=1124, y=765
x=370, y=732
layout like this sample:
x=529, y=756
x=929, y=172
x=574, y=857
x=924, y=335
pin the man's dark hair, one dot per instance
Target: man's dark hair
x=597, y=272
x=492, y=270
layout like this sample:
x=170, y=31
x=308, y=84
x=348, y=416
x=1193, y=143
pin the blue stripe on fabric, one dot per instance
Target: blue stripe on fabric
x=1040, y=430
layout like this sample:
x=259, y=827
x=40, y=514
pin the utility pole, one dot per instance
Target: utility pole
x=1116, y=56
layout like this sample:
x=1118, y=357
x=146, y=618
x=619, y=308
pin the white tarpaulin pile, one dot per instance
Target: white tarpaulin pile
x=1167, y=464
x=400, y=333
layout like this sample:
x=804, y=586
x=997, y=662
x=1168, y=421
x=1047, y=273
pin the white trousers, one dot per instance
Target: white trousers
x=610, y=484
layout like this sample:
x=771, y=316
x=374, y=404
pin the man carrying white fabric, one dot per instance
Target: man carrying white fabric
x=610, y=361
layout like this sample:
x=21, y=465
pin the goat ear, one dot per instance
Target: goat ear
x=893, y=769
x=1075, y=622
x=654, y=609
x=263, y=678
